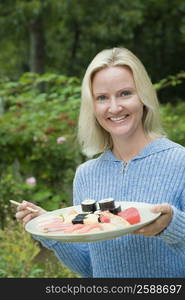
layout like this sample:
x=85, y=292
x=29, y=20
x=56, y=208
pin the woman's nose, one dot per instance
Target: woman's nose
x=114, y=106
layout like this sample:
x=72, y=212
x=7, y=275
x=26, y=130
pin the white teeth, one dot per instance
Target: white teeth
x=118, y=119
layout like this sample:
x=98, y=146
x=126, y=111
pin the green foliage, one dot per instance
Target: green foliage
x=16, y=252
x=173, y=121
x=171, y=80
x=172, y=116
x=154, y=30
x=38, y=139
x=21, y=256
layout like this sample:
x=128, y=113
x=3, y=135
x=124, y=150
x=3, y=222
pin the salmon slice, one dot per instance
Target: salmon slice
x=54, y=227
x=50, y=225
x=89, y=227
x=73, y=228
x=51, y=221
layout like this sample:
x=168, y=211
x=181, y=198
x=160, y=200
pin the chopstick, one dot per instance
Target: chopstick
x=29, y=208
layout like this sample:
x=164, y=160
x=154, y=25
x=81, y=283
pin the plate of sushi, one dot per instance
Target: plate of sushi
x=92, y=221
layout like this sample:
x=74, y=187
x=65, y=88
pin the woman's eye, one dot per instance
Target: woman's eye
x=101, y=98
x=125, y=93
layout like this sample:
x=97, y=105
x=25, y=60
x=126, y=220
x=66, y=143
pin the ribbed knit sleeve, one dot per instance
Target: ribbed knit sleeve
x=174, y=234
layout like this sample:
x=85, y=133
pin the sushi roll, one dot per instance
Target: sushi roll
x=88, y=205
x=79, y=219
x=115, y=210
x=106, y=204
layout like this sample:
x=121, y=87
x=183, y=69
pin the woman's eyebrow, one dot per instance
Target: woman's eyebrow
x=126, y=88
x=121, y=89
x=99, y=93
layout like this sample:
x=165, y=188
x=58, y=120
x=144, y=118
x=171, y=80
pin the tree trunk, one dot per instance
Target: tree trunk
x=75, y=46
x=37, y=46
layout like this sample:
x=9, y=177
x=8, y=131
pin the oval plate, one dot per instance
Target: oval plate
x=144, y=209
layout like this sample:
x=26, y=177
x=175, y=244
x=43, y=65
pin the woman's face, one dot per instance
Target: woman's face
x=117, y=106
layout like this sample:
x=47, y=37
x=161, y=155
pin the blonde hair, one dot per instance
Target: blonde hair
x=92, y=137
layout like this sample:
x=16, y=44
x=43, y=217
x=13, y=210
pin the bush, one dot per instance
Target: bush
x=172, y=115
x=38, y=140
x=17, y=252
x=21, y=256
x=173, y=121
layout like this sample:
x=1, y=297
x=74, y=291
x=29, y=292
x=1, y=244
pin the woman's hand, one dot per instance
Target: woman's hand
x=160, y=223
x=24, y=215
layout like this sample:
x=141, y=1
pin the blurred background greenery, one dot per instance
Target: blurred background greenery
x=45, y=49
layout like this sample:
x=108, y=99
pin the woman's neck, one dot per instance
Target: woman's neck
x=126, y=149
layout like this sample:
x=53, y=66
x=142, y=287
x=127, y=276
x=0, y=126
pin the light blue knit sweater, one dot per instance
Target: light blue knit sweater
x=156, y=175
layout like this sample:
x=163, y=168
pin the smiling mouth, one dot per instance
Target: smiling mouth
x=119, y=118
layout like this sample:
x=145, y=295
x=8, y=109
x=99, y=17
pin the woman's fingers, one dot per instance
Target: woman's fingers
x=160, y=223
x=27, y=218
x=26, y=204
x=24, y=215
x=164, y=208
x=154, y=228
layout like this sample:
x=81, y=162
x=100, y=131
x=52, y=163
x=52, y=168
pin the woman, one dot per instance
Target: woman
x=119, y=118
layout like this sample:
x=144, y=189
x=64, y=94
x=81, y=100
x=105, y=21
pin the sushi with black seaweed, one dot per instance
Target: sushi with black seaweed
x=88, y=205
x=79, y=219
x=106, y=204
x=115, y=210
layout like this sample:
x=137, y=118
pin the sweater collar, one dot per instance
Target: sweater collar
x=155, y=146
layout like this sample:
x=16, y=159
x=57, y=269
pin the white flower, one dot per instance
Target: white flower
x=61, y=140
x=31, y=181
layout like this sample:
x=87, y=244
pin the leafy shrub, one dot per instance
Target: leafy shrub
x=21, y=256
x=50, y=267
x=173, y=121
x=16, y=252
x=38, y=140
x=172, y=115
